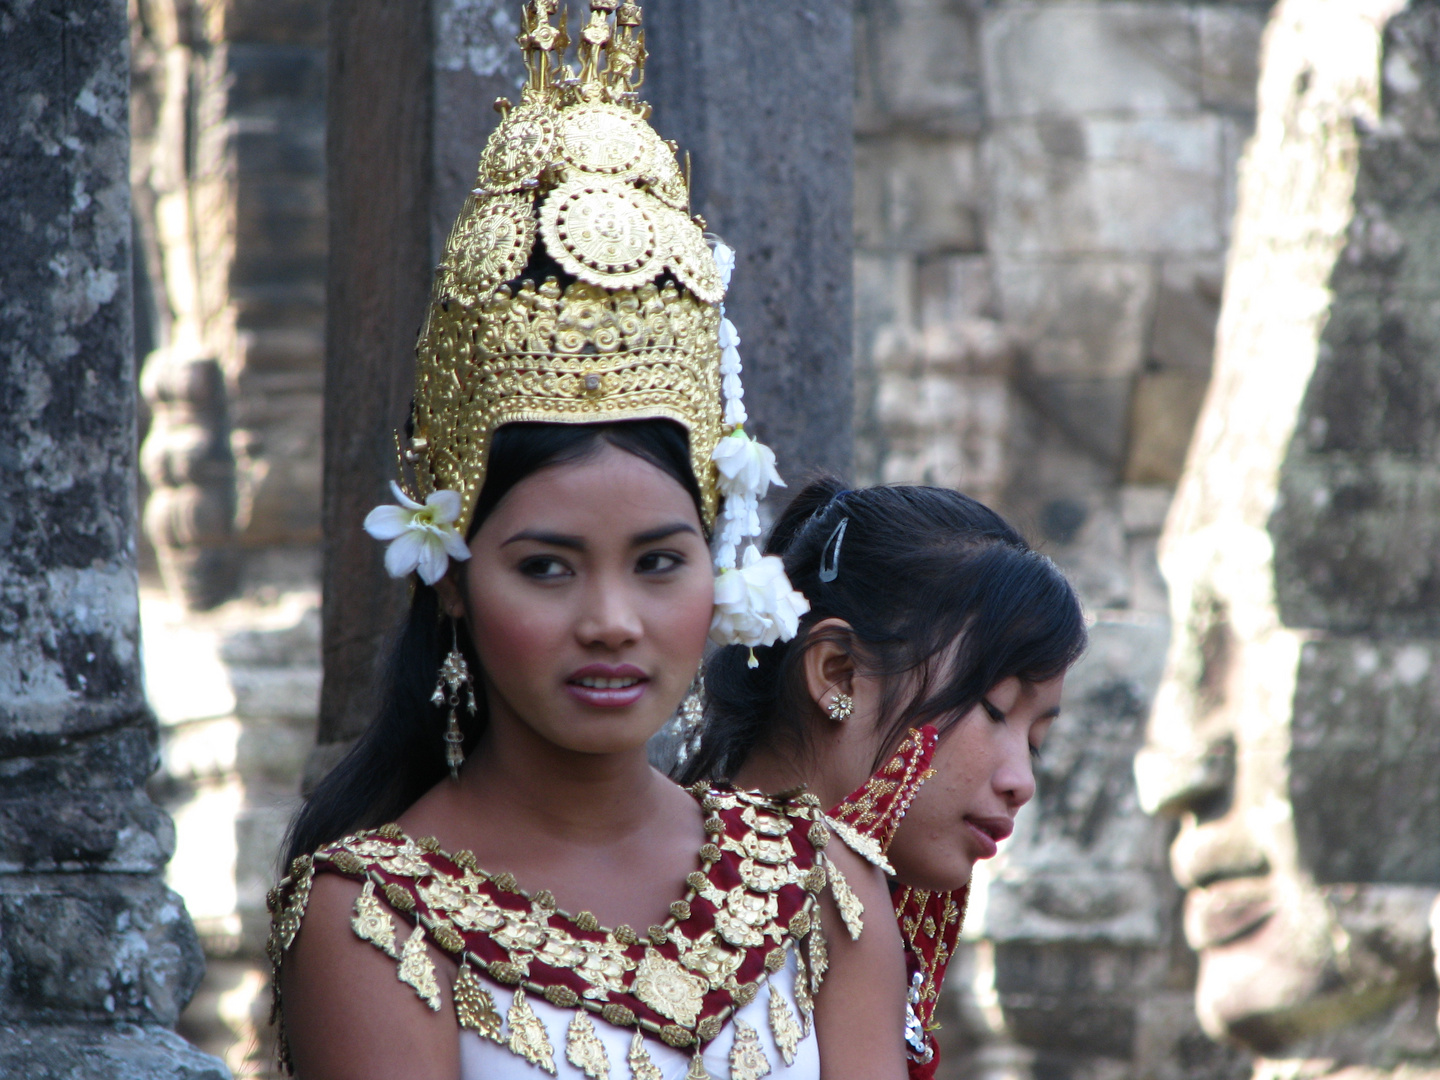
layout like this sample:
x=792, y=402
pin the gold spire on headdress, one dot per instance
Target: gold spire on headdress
x=621, y=321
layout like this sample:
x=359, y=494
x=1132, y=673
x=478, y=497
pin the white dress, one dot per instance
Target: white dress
x=481, y=1059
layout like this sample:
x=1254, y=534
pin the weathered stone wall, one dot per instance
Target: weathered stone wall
x=1295, y=734
x=1042, y=211
x=229, y=176
x=97, y=956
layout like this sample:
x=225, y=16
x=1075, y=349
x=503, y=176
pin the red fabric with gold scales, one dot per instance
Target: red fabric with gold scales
x=752, y=898
x=930, y=922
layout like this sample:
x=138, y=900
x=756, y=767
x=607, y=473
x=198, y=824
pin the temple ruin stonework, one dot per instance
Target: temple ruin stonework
x=1296, y=735
x=97, y=956
x=1042, y=213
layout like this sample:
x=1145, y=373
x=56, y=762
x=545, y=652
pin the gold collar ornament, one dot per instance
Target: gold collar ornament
x=576, y=287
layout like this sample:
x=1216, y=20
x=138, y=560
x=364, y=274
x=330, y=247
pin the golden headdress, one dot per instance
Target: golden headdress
x=575, y=285
x=577, y=288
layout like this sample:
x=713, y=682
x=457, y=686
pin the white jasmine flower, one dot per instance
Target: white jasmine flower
x=755, y=604
x=729, y=337
x=747, y=467
x=422, y=538
x=725, y=263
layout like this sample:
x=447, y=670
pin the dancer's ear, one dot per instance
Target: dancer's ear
x=830, y=668
x=451, y=591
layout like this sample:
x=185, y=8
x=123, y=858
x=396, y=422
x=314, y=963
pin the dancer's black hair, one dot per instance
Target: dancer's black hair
x=401, y=755
x=930, y=581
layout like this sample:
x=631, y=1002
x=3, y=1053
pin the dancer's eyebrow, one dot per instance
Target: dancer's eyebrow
x=560, y=540
x=577, y=543
x=660, y=532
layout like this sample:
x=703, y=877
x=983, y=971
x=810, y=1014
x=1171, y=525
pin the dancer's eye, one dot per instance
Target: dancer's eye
x=658, y=562
x=544, y=567
x=991, y=711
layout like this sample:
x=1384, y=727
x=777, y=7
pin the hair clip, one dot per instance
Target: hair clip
x=830, y=573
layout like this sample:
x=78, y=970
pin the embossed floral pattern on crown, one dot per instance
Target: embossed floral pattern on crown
x=574, y=174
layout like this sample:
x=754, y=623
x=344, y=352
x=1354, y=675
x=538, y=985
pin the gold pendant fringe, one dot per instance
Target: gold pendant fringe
x=819, y=957
x=372, y=923
x=528, y=1036
x=803, y=999
x=641, y=1067
x=784, y=1026
x=584, y=1049
x=417, y=969
x=697, y=1070
x=851, y=909
x=747, y=1056
x=474, y=1007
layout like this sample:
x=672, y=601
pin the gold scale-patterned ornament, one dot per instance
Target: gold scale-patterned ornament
x=574, y=170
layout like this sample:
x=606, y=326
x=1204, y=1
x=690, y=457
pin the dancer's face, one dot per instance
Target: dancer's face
x=588, y=596
x=983, y=776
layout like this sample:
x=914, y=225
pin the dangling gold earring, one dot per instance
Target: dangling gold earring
x=454, y=674
x=691, y=719
x=841, y=708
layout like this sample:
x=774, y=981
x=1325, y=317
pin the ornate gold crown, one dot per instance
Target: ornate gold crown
x=620, y=322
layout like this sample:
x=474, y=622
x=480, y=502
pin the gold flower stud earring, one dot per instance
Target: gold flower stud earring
x=841, y=707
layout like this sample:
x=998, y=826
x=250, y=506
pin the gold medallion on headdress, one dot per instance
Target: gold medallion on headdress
x=489, y=245
x=575, y=286
x=602, y=233
x=519, y=150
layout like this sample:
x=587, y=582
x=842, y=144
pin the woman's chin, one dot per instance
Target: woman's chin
x=935, y=875
x=603, y=736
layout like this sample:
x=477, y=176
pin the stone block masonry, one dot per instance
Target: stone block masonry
x=97, y=956
x=1043, y=198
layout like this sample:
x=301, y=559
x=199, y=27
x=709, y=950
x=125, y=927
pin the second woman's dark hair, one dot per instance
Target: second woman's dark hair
x=930, y=581
x=401, y=755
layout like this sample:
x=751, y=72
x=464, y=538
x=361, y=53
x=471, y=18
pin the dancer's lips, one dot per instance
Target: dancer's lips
x=987, y=833
x=604, y=686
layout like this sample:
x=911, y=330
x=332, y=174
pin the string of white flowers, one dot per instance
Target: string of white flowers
x=755, y=603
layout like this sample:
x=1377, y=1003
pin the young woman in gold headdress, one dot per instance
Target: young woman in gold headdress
x=495, y=883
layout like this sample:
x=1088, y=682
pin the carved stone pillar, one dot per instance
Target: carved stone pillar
x=98, y=956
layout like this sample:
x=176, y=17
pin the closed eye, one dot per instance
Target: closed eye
x=991, y=711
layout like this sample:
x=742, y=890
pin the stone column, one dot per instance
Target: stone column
x=760, y=92
x=98, y=956
x=1296, y=733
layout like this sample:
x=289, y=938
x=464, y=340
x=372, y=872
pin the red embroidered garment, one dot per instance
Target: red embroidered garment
x=751, y=900
x=929, y=922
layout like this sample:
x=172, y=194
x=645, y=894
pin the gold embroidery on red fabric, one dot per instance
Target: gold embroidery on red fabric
x=716, y=941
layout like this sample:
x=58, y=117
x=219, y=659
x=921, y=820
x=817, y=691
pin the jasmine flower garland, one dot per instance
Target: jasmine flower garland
x=754, y=601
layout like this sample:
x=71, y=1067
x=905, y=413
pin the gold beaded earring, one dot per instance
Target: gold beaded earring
x=841, y=708
x=454, y=675
x=691, y=719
